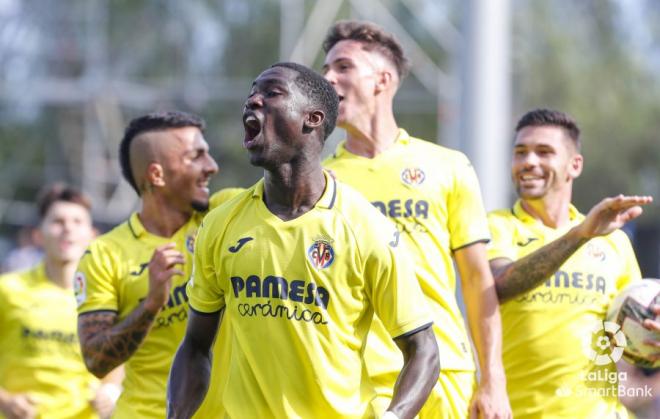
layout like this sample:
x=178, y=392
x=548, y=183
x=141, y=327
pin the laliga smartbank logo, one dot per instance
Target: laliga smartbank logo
x=603, y=345
x=600, y=348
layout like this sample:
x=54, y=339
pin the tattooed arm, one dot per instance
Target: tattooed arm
x=516, y=278
x=106, y=345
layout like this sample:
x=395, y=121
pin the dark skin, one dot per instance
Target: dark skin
x=283, y=135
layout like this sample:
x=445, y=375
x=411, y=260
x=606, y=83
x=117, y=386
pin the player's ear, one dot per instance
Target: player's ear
x=384, y=80
x=314, y=119
x=575, y=165
x=155, y=176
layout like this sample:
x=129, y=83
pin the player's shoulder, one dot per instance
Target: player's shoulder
x=117, y=234
x=224, y=195
x=18, y=280
x=433, y=150
x=619, y=238
x=115, y=241
x=502, y=218
x=358, y=212
x=234, y=200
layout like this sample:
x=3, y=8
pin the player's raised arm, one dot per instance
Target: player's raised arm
x=106, y=345
x=516, y=278
x=191, y=370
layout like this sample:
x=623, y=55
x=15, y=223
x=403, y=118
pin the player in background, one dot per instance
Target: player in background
x=132, y=300
x=556, y=272
x=298, y=264
x=42, y=373
x=432, y=195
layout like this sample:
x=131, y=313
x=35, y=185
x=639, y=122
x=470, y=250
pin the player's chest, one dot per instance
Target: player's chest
x=303, y=265
x=592, y=270
x=134, y=278
x=403, y=190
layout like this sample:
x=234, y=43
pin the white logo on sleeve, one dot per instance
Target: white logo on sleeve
x=80, y=287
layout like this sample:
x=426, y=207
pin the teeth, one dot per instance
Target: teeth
x=251, y=118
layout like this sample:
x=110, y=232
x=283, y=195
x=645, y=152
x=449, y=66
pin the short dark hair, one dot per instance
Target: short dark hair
x=60, y=192
x=155, y=121
x=319, y=91
x=373, y=37
x=541, y=117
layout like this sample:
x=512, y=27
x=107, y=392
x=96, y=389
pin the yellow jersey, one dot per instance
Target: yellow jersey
x=432, y=195
x=298, y=299
x=113, y=275
x=549, y=333
x=40, y=352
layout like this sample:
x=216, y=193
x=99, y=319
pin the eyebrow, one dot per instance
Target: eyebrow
x=269, y=81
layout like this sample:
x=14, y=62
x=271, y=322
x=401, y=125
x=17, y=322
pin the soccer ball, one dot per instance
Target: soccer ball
x=629, y=309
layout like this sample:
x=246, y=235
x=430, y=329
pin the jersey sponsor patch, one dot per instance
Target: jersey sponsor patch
x=80, y=287
x=413, y=176
x=321, y=254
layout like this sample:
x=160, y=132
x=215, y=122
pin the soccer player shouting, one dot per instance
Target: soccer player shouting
x=298, y=264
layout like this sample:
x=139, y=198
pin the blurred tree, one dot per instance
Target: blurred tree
x=584, y=58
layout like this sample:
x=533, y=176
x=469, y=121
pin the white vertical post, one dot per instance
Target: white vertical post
x=485, y=98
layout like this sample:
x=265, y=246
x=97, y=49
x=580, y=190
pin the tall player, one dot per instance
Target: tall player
x=432, y=195
x=132, y=300
x=42, y=373
x=556, y=272
x=298, y=264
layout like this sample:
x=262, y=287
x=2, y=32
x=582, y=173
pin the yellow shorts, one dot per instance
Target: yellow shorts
x=449, y=399
x=451, y=396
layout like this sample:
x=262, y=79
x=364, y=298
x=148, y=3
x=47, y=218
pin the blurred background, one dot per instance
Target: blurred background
x=73, y=73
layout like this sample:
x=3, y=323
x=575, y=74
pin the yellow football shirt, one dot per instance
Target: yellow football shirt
x=546, y=332
x=40, y=352
x=432, y=195
x=299, y=296
x=113, y=275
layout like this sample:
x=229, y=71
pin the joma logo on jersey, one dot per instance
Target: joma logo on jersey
x=278, y=287
x=321, y=254
x=413, y=176
x=408, y=208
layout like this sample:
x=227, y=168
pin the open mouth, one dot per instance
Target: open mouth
x=252, y=126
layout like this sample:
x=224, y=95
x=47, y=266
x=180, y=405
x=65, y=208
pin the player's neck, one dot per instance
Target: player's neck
x=371, y=136
x=60, y=273
x=161, y=219
x=552, y=211
x=290, y=192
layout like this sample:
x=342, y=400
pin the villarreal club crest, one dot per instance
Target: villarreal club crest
x=413, y=176
x=321, y=254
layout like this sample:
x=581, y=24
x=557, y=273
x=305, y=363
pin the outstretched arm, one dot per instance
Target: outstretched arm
x=490, y=400
x=106, y=345
x=191, y=370
x=419, y=374
x=516, y=278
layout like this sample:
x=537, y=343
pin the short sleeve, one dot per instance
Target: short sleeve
x=500, y=245
x=630, y=271
x=204, y=292
x=391, y=282
x=466, y=216
x=95, y=281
